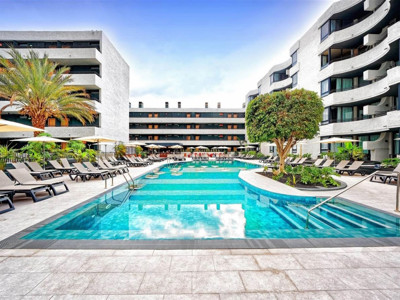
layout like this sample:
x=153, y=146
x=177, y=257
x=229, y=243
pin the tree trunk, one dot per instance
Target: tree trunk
x=283, y=151
x=38, y=122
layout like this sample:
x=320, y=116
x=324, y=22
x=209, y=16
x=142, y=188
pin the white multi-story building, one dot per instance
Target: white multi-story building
x=95, y=65
x=189, y=127
x=350, y=56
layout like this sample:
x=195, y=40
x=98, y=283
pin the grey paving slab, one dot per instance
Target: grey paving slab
x=135, y=297
x=316, y=280
x=79, y=297
x=148, y=264
x=166, y=283
x=63, y=284
x=217, y=282
x=248, y=296
x=19, y=284
x=266, y=281
x=115, y=284
x=192, y=297
x=359, y=295
x=303, y=296
x=235, y=262
x=192, y=263
x=278, y=262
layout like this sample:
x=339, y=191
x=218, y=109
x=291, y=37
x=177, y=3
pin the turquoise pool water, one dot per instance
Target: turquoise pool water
x=207, y=200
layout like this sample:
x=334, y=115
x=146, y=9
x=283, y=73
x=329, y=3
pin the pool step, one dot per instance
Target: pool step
x=341, y=217
x=366, y=219
x=301, y=212
x=288, y=219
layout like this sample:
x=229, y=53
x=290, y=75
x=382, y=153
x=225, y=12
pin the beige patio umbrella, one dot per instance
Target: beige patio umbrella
x=96, y=139
x=43, y=140
x=9, y=126
x=135, y=144
x=176, y=147
x=336, y=140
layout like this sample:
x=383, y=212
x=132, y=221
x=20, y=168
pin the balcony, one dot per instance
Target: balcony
x=380, y=124
x=88, y=81
x=187, y=131
x=67, y=56
x=281, y=85
x=371, y=91
x=365, y=59
x=190, y=143
x=357, y=29
x=187, y=120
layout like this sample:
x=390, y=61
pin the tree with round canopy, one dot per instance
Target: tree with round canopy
x=284, y=118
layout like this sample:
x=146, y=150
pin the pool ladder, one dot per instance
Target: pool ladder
x=334, y=196
x=131, y=182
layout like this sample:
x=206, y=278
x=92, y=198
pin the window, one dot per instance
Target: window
x=235, y=115
x=294, y=58
x=197, y=115
x=229, y=138
x=235, y=138
x=206, y=105
x=325, y=86
x=51, y=122
x=294, y=80
x=347, y=114
x=187, y=126
x=197, y=138
x=197, y=126
x=150, y=137
x=235, y=126
x=155, y=115
x=188, y=137
x=229, y=115
x=325, y=58
x=150, y=126
x=166, y=105
x=229, y=126
x=140, y=104
x=187, y=115
x=325, y=30
x=150, y=115
x=325, y=116
x=155, y=126
x=156, y=137
x=179, y=105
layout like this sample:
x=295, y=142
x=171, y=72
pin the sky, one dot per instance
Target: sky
x=192, y=51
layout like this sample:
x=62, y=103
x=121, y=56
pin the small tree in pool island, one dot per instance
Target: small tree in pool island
x=284, y=118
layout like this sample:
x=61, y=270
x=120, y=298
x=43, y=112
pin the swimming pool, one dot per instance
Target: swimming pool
x=207, y=200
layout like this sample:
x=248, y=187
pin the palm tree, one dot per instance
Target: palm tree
x=38, y=88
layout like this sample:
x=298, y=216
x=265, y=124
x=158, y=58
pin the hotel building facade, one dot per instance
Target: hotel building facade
x=351, y=58
x=189, y=127
x=95, y=65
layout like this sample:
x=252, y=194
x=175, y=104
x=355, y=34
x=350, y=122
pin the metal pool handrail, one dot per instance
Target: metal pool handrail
x=334, y=196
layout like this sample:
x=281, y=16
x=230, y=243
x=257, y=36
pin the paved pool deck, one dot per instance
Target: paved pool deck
x=293, y=273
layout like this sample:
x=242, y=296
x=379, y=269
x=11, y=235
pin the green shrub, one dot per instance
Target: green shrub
x=390, y=162
x=252, y=152
x=120, y=150
x=306, y=155
x=259, y=155
x=309, y=175
x=6, y=153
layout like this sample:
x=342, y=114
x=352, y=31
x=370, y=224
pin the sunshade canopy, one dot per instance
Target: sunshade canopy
x=41, y=139
x=95, y=139
x=9, y=126
x=201, y=147
x=176, y=147
x=335, y=140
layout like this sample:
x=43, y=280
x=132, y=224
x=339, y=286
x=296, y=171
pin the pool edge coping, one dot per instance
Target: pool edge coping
x=15, y=242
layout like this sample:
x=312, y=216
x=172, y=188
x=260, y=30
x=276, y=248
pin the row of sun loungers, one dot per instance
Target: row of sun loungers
x=23, y=179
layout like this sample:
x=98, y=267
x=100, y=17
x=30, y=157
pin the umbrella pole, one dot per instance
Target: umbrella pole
x=44, y=159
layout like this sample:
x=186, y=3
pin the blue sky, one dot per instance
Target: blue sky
x=191, y=51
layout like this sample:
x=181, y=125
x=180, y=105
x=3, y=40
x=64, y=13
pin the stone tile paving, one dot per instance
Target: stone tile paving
x=324, y=273
x=302, y=273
